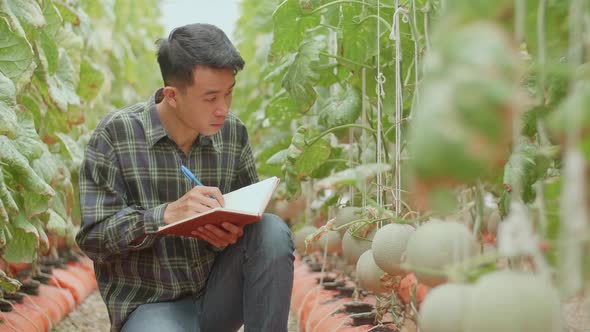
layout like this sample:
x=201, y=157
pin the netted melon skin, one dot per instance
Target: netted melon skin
x=513, y=301
x=389, y=245
x=346, y=215
x=436, y=245
x=368, y=273
x=444, y=307
x=299, y=238
x=354, y=247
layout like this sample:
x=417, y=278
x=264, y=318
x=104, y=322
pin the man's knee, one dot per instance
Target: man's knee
x=272, y=235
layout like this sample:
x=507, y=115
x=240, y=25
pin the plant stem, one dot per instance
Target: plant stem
x=337, y=57
x=350, y=125
x=322, y=7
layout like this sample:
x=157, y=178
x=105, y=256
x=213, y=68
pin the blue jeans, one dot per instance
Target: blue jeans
x=250, y=283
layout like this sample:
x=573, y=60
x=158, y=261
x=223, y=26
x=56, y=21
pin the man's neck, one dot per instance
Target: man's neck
x=181, y=135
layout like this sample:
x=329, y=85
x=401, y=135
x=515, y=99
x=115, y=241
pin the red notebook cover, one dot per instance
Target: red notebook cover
x=213, y=217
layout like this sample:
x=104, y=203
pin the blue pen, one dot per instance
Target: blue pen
x=191, y=176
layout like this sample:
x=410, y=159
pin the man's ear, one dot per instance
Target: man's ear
x=170, y=94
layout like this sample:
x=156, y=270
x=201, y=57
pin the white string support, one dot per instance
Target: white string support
x=399, y=101
x=380, y=93
x=364, y=133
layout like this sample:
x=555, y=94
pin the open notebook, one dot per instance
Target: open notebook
x=243, y=206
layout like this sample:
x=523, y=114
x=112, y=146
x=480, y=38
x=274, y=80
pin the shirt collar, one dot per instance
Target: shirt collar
x=155, y=130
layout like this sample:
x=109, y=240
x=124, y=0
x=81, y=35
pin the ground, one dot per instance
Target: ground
x=91, y=316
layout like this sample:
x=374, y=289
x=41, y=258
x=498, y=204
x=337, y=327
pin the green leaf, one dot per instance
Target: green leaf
x=68, y=13
x=16, y=55
x=4, y=219
x=28, y=142
x=282, y=108
x=74, y=151
x=302, y=75
x=25, y=240
x=312, y=157
x=43, y=246
x=6, y=197
x=62, y=85
x=56, y=225
x=47, y=168
x=289, y=28
x=52, y=18
x=7, y=91
x=7, y=283
x=345, y=108
x=35, y=204
x=91, y=80
x=358, y=42
x=352, y=176
x=48, y=52
x=527, y=164
x=17, y=165
x=278, y=158
x=8, y=123
x=28, y=13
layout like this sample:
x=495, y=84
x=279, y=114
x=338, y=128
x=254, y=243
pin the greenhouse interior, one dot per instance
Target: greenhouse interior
x=295, y=165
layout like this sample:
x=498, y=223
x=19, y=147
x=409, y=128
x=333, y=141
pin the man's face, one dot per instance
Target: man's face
x=204, y=105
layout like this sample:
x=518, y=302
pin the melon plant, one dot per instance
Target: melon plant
x=63, y=65
x=513, y=301
x=369, y=274
x=437, y=245
x=331, y=241
x=346, y=215
x=355, y=243
x=389, y=245
x=299, y=238
x=443, y=309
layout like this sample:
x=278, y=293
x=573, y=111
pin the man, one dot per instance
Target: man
x=131, y=184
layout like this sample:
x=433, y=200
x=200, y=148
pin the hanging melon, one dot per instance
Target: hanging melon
x=356, y=241
x=369, y=274
x=299, y=238
x=436, y=245
x=346, y=215
x=333, y=240
x=389, y=244
x=512, y=301
x=444, y=307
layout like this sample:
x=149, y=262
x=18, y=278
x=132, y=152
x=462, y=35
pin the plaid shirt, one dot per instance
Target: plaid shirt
x=131, y=170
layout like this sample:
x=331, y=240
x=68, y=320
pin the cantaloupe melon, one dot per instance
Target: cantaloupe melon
x=513, y=301
x=299, y=238
x=333, y=240
x=389, y=244
x=369, y=274
x=436, y=245
x=444, y=307
x=354, y=246
x=346, y=215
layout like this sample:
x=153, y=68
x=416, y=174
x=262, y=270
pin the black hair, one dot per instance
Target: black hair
x=195, y=45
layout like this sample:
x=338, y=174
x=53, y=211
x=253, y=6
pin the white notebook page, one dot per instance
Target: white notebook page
x=253, y=198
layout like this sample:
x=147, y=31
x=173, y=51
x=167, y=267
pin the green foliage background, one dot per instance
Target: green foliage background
x=63, y=65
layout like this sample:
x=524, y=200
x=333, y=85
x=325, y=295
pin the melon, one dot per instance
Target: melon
x=333, y=239
x=444, y=307
x=354, y=246
x=290, y=210
x=369, y=274
x=299, y=238
x=513, y=301
x=346, y=215
x=389, y=244
x=436, y=245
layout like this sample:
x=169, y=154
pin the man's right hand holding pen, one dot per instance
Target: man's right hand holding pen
x=200, y=199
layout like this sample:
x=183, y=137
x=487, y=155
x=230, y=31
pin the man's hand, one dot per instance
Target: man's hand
x=199, y=199
x=220, y=236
